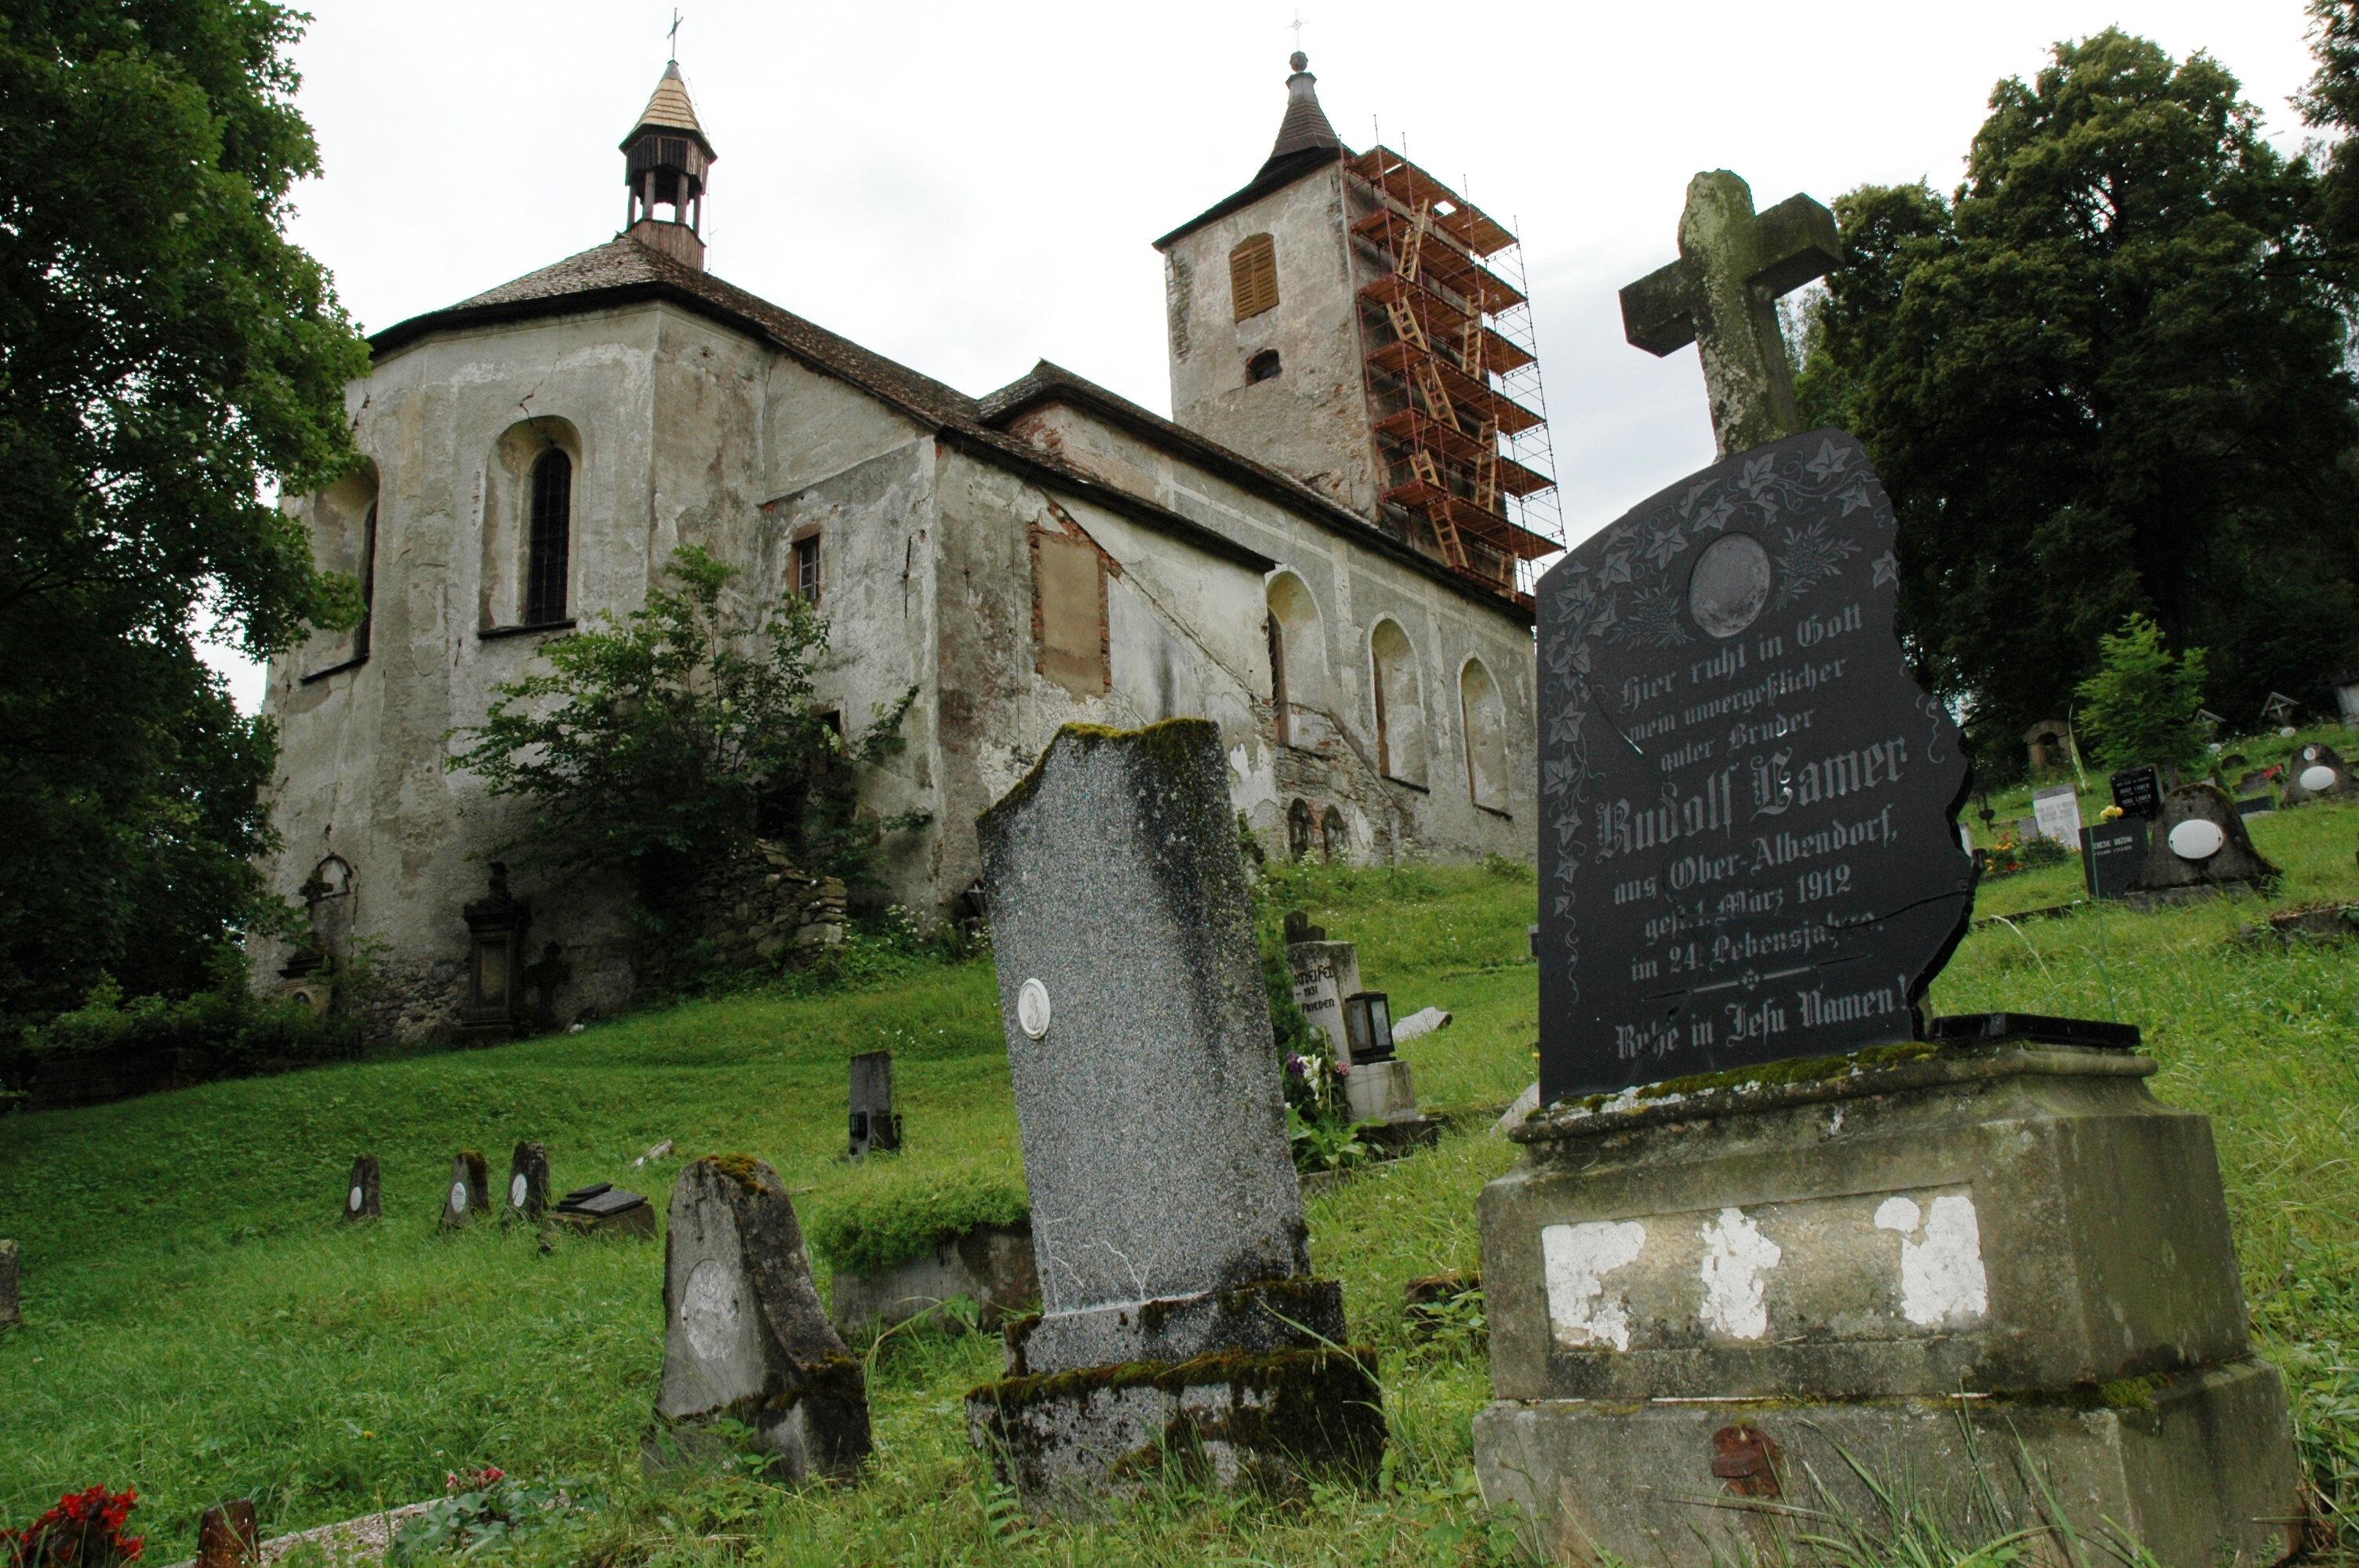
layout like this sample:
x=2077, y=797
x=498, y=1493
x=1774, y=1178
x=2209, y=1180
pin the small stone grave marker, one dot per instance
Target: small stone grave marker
x=2317, y=772
x=470, y=1193
x=746, y=1339
x=1179, y=1311
x=605, y=1209
x=2199, y=845
x=2058, y=811
x=2112, y=855
x=2026, y=830
x=876, y=1125
x=10, y=1311
x=227, y=1536
x=1324, y=973
x=526, y=1198
x=362, y=1200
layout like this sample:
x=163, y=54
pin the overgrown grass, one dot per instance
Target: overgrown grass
x=201, y=1325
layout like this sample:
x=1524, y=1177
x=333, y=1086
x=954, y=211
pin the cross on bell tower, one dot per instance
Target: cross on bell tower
x=1721, y=295
x=665, y=161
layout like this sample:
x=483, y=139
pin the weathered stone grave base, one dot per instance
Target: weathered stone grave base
x=2202, y=1475
x=802, y=1433
x=1265, y=1418
x=991, y=1264
x=1275, y=1315
x=1380, y=1091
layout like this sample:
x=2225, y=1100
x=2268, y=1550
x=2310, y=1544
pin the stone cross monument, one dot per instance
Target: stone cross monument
x=1721, y=295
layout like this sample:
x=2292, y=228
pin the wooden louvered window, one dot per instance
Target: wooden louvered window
x=1253, y=276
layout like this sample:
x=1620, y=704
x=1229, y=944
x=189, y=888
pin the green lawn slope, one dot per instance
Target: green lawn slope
x=200, y=1323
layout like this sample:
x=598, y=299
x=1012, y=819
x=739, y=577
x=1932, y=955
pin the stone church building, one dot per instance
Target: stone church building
x=1327, y=552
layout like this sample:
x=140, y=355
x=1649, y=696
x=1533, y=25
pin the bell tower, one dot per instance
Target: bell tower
x=665, y=159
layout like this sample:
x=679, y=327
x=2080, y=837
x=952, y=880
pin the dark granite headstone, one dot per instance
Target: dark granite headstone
x=2199, y=843
x=2317, y=772
x=470, y=1193
x=604, y=1208
x=874, y=1123
x=746, y=1339
x=2112, y=855
x=9, y=1310
x=528, y=1191
x=361, y=1194
x=2138, y=792
x=1751, y=849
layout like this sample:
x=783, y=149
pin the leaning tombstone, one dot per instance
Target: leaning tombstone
x=2111, y=854
x=526, y=1198
x=10, y=1311
x=362, y=1196
x=1181, y=1322
x=876, y=1125
x=2317, y=772
x=1324, y=973
x=2200, y=848
x=747, y=1344
x=227, y=1536
x=1768, y=1223
x=469, y=1194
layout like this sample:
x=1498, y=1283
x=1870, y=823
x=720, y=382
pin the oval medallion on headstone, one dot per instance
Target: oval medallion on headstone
x=353, y=1203
x=2197, y=839
x=518, y=1187
x=1729, y=585
x=458, y=1197
x=2318, y=779
x=1032, y=1008
x=710, y=1310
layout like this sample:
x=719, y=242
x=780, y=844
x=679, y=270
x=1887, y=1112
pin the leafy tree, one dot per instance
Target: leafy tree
x=2105, y=377
x=167, y=358
x=660, y=744
x=2141, y=704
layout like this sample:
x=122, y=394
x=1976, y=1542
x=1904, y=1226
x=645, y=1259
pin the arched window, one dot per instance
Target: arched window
x=1253, y=276
x=550, y=547
x=1298, y=830
x=1334, y=839
x=1298, y=667
x=368, y=584
x=1485, y=721
x=1263, y=366
x=1400, y=706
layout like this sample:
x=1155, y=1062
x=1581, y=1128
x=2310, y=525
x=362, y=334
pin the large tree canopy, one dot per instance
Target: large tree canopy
x=2105, y=377
x=166, y=357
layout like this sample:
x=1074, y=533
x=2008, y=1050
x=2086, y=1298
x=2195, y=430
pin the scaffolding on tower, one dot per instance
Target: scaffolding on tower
x=1452, y=376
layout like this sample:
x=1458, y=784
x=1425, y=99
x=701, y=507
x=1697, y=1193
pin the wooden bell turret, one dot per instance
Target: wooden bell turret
x=666, y=157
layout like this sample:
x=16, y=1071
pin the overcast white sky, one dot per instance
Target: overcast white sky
x=968, y=188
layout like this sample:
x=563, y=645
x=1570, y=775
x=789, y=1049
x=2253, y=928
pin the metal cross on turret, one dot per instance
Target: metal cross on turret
x=1721, y=295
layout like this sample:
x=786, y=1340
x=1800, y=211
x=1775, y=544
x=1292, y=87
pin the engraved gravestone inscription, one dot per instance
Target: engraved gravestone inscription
x=1751, y=849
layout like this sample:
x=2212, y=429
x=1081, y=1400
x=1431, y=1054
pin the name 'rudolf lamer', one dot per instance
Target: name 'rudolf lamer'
x=1624, y=828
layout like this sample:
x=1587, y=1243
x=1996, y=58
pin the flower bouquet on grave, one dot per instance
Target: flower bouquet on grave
x=83, y=1530
x=1319, y=1124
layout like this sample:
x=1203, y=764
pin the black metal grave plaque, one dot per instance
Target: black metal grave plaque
x=2112, y=855
x=2138, y=792
x=1749, y=846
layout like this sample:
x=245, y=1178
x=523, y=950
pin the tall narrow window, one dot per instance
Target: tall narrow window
x=368, y=584
x=807, y=569
x=1253, y=276
x=550, y=551
x=1276, y=677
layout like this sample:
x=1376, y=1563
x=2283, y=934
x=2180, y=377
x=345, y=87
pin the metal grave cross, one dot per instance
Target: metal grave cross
x=1721, y=295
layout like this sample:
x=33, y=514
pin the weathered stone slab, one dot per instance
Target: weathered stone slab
x=2198, y=1471
x=363, y=1198
x=991, y=1265
x=604, y=1209
x=746, y=1339
x=2317, y=772
x=1381, y=1091
x=2199, y=846
x=1751, y=849
x=526, y=1196
x=470, y=1193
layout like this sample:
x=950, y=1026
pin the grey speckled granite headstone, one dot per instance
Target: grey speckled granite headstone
x=745, y=1338
x=1147, y=1088
x=1749, y=847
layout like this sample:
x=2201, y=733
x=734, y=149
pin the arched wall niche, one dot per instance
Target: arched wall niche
x=1400, y=704
x=1484, y=714
x=1297, y=657
x=506, y=597
x=343, y=521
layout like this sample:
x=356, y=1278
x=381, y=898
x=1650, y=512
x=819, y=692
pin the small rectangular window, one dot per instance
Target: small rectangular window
x=1253, y=276
x=807, y=569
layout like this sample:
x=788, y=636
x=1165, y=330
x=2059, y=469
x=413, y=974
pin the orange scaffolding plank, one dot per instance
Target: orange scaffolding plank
x=1402, y=359
x=1439, y=258
x=1416, y=427
x=1413, y=188
x=1494, y=530
x=1441, y=319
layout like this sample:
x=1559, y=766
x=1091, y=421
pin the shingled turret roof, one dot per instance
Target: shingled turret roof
x=669, y=109
x=1305, y=127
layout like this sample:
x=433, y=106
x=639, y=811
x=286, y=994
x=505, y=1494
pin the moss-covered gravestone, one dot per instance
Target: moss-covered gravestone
x=9, y=1310
x=746, y=1339
x=526, y=1198
x=362, y=1196
x=2317, y=772
x=470, y=1194
x=1180, y=1320
x=2198, y=846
